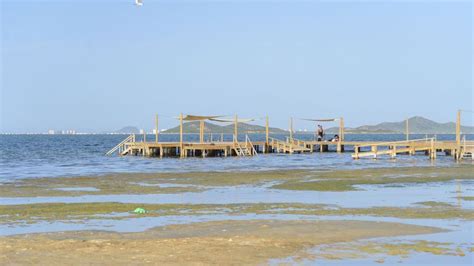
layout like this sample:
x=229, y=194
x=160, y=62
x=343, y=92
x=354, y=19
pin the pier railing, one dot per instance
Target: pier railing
x=296, y=142
x=248, y=142
x=238, y=149
x=246, y=149
x=122, y=146
x=288, y=146
x=467, y=149
x=395, y=147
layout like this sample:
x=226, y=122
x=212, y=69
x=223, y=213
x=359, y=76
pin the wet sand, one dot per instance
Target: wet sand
x=222, y=242
x=159, y=183
x=236, y=217
x=54, y=212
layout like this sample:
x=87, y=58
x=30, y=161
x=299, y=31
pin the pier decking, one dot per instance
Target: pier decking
x=246, y=147
x=360, y=149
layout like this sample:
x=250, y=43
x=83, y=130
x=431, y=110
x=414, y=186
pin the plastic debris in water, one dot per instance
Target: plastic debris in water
x=140, y=210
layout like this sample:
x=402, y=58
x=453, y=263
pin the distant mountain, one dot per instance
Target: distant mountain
x=416, y=124
x=193, y=127
x=127, y=130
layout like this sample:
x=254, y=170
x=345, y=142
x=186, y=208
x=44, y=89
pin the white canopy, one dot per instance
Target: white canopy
x=229, y=120
x=321, y=120
x=200, y=117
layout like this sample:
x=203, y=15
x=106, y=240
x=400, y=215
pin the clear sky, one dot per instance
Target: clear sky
x=101, y=65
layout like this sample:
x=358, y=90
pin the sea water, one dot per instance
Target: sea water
x=30, y=156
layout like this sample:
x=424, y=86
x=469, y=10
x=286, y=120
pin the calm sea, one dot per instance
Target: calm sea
x=30, y=156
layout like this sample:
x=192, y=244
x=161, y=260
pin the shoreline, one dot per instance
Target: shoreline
x=220, y=242
x=245, y=217
x=197, y=181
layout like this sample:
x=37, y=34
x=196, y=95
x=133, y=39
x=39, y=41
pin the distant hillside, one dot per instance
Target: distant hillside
x=193, y=127
x=127, y=130
x=417, y=125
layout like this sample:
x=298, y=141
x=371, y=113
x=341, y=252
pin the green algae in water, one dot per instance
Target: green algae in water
x=435, y=204
x=467, y=198
x=337, y=180
x=401, y=249
x=347, y=180
x=108, y=210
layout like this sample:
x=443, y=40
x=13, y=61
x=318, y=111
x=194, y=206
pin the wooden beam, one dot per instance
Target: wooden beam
x=291, y=128
x=458, y=129
x=407, y=130
x=236, y=124
x=341, y=129
x=266, y=131
x=156, y=128
x=181, y=135
x=201, y=131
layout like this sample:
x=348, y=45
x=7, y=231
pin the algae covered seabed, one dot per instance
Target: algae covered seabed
x=408, y=215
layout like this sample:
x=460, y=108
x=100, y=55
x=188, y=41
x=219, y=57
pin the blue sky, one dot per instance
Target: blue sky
x=101, y=65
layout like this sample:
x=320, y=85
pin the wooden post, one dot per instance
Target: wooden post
x=374, y=150
x=341, y=129
x=181, y=135
x=201, y=131
x=458, y=129
x=407, y=130
x=266, y=131
x=236, y=132
x=291, y=129
x=433, y=150
x=156, y=128
x=394, y=151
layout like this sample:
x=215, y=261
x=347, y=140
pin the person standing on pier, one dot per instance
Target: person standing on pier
x=320, y=133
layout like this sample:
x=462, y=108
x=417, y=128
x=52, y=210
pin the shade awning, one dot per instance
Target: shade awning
x=239, y=120
x=200, y=117
x=321, y=120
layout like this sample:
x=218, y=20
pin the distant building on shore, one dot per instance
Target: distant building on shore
x=62, y=132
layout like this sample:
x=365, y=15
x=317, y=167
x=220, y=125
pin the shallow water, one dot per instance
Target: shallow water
x=29, y=156
x=368, y=196
x=460, y=233
x=51, y=156
x=77, y=189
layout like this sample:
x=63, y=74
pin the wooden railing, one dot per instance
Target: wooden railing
x=238, y=149
x=296, y=142
x=122, y=145
x=289, y=146
x=249, y=143
x=410, y=146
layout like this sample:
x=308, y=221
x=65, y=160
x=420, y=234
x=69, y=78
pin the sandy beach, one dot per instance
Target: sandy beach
x=250, y=218
x=223, y=242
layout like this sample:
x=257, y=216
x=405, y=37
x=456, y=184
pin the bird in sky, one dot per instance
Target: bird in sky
x=139, y=2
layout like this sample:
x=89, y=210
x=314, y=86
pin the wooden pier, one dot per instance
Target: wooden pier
x=242, y=147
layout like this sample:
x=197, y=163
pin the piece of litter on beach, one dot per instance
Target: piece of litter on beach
x=140, y=210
